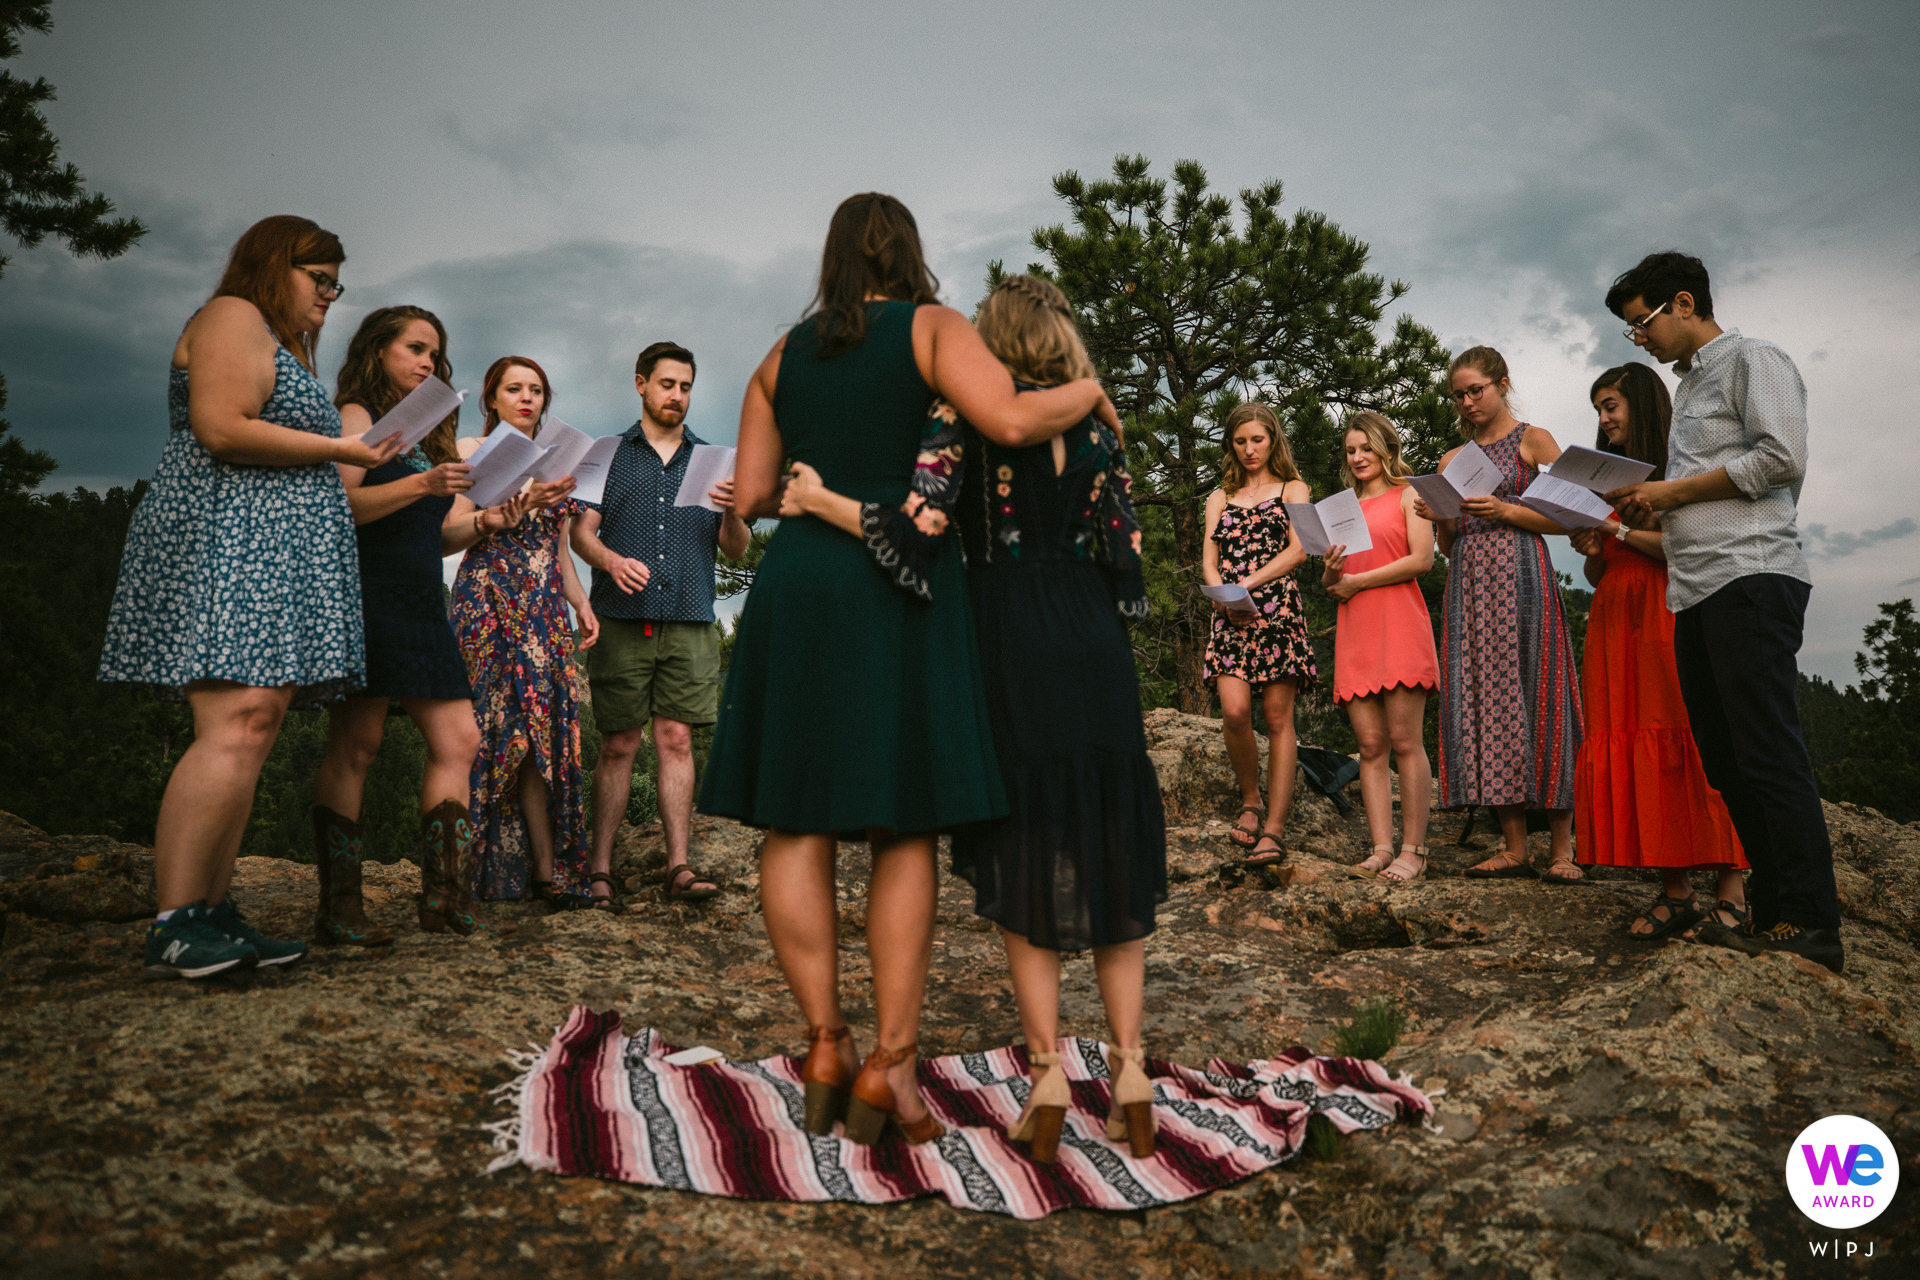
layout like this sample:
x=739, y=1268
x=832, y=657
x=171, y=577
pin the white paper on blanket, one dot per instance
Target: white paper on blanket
x=1567, y=505
x=590, y=473
x=418, y=413
x=565, y=446
x=694, y=1057
x=1233, y=596
x=500, y=466
x=1471, y=474
x=1334, y=520
x=709, y=465
x=1599, y=472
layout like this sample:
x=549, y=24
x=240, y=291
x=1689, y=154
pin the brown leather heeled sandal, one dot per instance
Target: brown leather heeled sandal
x=1131, y=1117
x=874, y=1106
x=1041, y=1119
x=828, y=1083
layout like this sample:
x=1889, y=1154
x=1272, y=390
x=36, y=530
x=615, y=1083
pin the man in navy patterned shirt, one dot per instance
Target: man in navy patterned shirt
x=1738, y=585
x=658, y=657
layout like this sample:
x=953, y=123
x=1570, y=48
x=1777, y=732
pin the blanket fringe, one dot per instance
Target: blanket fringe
x=507, y=1133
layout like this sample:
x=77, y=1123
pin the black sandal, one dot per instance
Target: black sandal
x=1266, y=857
x=692, y=876
x=543, y=891
x=1709, y=928
x=1681, y=913
x=612, y=901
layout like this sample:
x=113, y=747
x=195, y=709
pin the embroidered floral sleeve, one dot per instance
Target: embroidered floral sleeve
x=904, y=540
x=1119, y=527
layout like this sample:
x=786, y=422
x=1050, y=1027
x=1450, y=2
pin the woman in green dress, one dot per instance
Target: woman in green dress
x=852, y=709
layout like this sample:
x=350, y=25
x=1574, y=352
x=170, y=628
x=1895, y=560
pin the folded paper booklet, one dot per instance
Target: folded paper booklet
x=1333, y=521
x=565, y=446
x=1233, y=596
x=590, y=473
x=1599, y=472
x=1567, y=505
x=418, y=413
x=709, y=465
x=1471, y=474
x=501, y=465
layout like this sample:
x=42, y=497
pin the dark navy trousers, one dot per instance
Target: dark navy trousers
x=1735, y=651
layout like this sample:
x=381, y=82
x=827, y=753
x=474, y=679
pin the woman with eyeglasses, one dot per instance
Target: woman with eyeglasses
x=510, y=603
x=239, y=589
x=1640, y=791
x=1510, y=704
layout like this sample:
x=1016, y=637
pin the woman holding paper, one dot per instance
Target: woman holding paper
x=413, y=660
x=510, y=603
x=1510, y=720
x=1251, y=542
x=1384, y=664
x=1639, y=789
x=239, y=588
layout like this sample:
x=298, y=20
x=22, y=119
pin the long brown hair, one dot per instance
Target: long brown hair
x=257, y=271
x=1493, y=365
x=873, y=247
x=497, y=374
x=1233, y=476
x=1028, y=324
x=363, y=379
x=1382, y=437
x=1649, y=414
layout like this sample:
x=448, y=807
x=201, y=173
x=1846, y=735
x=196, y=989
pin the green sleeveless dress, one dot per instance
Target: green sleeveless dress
x=849, y=703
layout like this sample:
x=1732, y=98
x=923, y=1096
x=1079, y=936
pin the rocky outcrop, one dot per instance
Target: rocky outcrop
x=1610, y=1108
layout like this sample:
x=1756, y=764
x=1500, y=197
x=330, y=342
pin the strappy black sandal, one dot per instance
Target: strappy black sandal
x=1681, y=913
x=1263, y=857
x=1710, y=928
x=682, y=884
x=612, y=901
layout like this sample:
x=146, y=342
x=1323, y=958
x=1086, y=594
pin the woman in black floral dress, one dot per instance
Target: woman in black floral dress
x=1251, y=542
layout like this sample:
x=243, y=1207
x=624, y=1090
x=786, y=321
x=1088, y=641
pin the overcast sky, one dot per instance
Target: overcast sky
x=572, y=181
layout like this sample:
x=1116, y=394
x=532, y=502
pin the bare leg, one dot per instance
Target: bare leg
x=1236, y=722
x=203, y=814
x=1283, y=752
x=612, y=784
x=1406, y=719
x=1122, y=971
x=673, y=742
x=900, y=909
x=533, y=808
x=354, y=730
x=803, y=921
x=453, y=740
x=1369, y=717
x=1036, y=989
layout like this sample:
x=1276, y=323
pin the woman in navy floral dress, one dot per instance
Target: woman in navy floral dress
x=239, y=588
x=1250, y=542
x=510, y=603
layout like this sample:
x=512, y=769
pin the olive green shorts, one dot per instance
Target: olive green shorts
x=639, y=670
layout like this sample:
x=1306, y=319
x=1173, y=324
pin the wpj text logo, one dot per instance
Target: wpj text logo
x=1842, y=1172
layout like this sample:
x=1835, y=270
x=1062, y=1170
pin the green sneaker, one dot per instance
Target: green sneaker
x=188, y=945
x=227, y=919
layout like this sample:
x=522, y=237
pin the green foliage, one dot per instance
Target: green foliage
x=736, y=576
x=1890, y=669
x=1864, y=741
x=1188, y=309
x=1322, y=1141
x=1373, y=1029
x=40, y=196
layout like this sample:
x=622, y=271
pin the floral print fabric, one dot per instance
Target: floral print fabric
x=242, y=573
x=1274, y=646
x=510, y=614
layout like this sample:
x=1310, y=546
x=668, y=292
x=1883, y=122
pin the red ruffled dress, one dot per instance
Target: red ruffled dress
x=1383, y=637
x=1641, y=798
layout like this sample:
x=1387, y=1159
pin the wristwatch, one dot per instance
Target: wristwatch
x=1621, y=531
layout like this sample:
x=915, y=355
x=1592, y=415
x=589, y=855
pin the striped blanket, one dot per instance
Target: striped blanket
x=601, y=1103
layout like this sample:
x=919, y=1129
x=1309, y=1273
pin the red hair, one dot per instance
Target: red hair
x=497, y=374
x=257, y=271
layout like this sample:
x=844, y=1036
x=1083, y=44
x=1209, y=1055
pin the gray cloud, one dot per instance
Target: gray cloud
x=547, y=144
x=1827, y=544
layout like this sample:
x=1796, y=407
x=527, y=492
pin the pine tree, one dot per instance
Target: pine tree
x=1188, y=310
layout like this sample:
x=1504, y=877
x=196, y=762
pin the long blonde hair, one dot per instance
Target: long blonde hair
x=1233, y=476
x=1028, y=324
x=1382, y=437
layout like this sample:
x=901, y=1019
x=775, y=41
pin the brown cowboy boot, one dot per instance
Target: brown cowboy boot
x=445, y=906
x=341, y=916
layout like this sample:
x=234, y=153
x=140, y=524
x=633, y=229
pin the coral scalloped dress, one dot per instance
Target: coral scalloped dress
x=1641, y=798
x=1383, y=638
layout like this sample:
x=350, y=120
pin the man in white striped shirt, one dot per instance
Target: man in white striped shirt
x=1738, y=587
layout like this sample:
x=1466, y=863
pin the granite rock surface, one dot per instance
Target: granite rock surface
x=1611, y=1107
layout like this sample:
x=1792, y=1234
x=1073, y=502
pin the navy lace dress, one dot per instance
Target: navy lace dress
x=1053, y=571
x=411, y=650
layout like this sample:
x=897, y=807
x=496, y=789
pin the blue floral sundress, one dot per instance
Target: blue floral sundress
x=242, y=573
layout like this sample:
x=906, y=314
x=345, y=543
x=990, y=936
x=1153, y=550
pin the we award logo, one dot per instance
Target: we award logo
x=1842, y=1172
